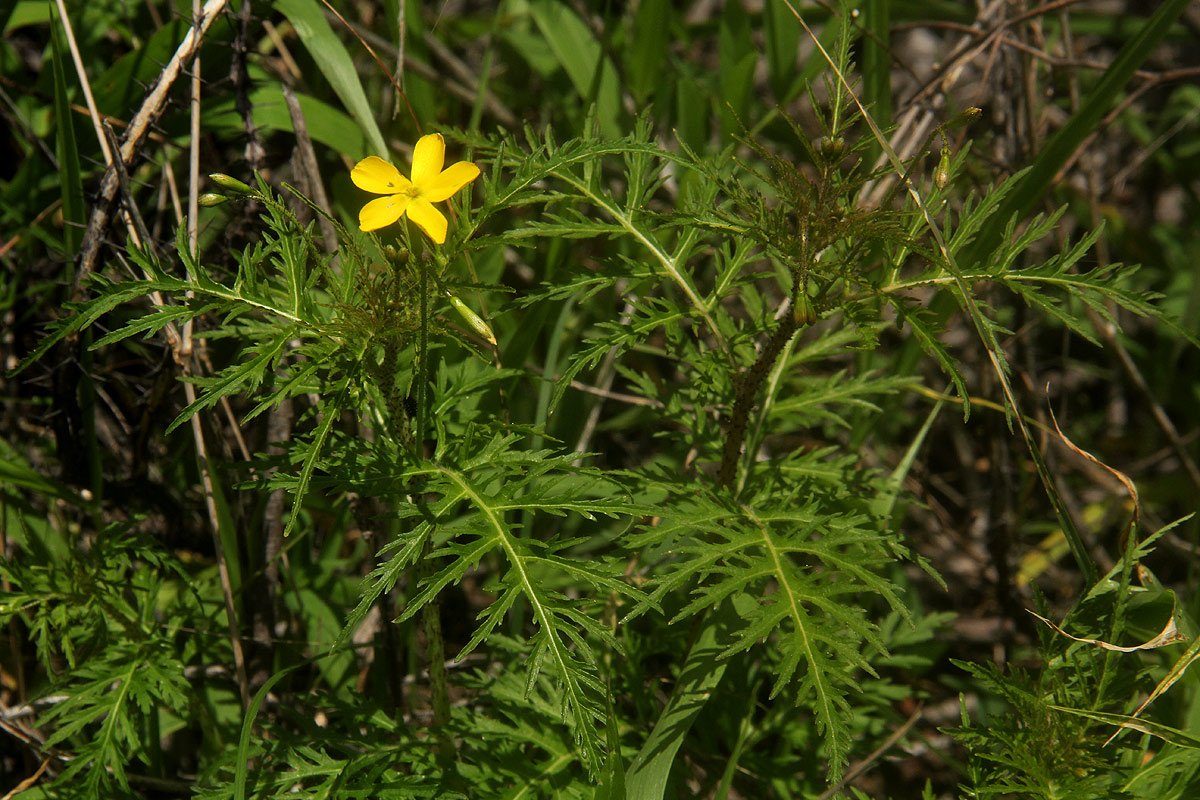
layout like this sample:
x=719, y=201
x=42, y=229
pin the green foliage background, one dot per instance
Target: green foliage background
x=750, y=493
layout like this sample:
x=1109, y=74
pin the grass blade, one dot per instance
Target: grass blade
x=335, y=64
x=877, y=61
x=647, y=776
x=783, y=43
x=592, y=73
x=651, y=32
x=243, y=750
x=74, y=209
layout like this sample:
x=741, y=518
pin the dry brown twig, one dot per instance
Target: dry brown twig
x=308, y=171
x=859, y=767
x=138, y=127
x=118, y=161
x=187, y=360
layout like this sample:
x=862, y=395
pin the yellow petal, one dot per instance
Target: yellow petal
x=455, y=177
x=428, y=219
x=428, y=156
x=382, y=211
x=376, y=175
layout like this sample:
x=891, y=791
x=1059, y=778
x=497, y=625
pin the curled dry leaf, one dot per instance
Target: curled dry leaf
x=1169, y=635
x=1116, y=473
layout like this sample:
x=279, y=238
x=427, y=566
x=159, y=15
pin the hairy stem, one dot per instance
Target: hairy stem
x=435, y=658
x=748, y=384
x=390, y=384
x=435, y=646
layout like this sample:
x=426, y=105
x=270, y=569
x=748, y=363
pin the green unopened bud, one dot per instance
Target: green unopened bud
x=471, y=318
x=941, y=175
x=832, y=147
x=963, y=118
x=210, y=199
x=231, y=183
x=803, y=312
x=395, y=255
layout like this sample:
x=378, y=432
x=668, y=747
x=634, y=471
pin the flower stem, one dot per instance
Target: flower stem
x=422, y=375
x=435, y=646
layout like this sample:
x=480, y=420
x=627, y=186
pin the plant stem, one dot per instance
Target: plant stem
x=435, y=658
x=389, y=383
x=435, y=646
x=422, y=374
x=748, y=384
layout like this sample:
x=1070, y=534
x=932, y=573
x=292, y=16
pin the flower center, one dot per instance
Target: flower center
x=412, y=191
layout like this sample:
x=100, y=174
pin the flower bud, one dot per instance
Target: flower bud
x=395, y=255
x=803, y=312
x=230, y=183
x=832, y=147
x=210, y=199
x=963, y=118
x=941, y=175
x=471, y=318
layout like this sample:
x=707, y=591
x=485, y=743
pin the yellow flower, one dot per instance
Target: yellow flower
x=430, y=184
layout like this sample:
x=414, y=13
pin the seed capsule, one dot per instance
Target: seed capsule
x=210, y=199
